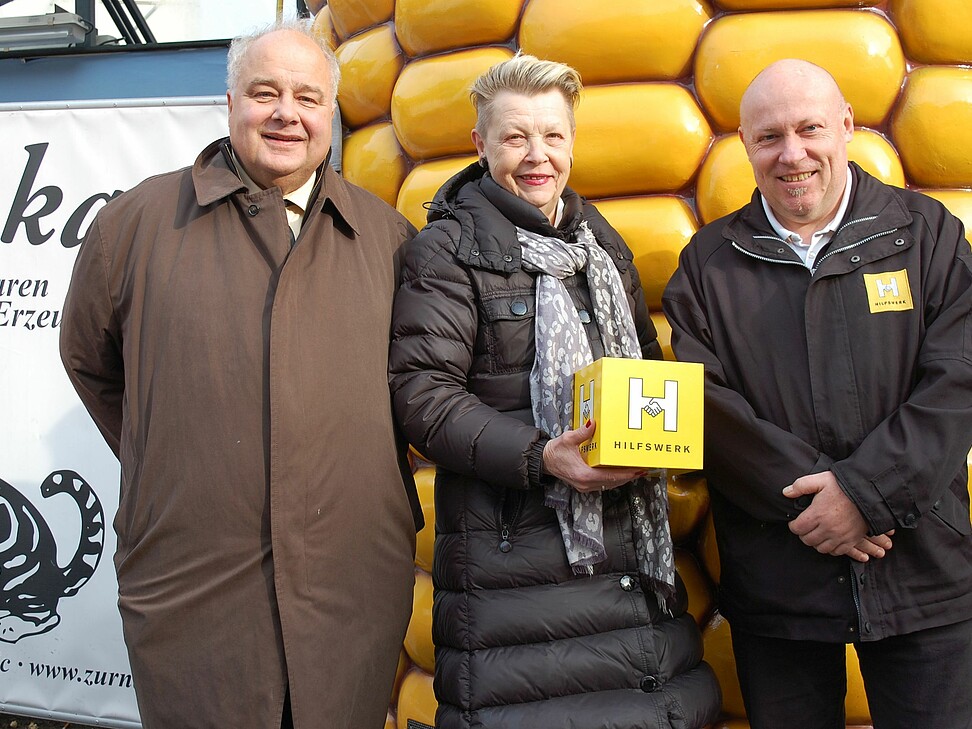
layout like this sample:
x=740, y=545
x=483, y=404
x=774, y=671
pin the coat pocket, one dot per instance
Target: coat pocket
x=508, y=515
x=507, y=329
x=954, y=513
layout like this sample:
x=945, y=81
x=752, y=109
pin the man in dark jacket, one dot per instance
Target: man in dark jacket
x=832, y=314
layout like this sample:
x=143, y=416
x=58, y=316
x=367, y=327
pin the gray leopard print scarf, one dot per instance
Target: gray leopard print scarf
x=563, y=348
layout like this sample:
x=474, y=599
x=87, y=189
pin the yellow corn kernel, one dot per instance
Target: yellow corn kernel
x=418, y=637
x=656, y=229
x=422, y=183
x=626, y=146
x=430, y=26
x=860, y=49
x=430, y=108
x=932, y=126
x=934, y=31
x=370, y=63
x=639, y=40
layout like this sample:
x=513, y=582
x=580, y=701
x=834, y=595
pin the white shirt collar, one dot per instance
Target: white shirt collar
x=299, y=197
x=808, y=250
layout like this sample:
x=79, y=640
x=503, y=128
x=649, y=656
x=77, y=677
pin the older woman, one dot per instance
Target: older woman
x=555, y=588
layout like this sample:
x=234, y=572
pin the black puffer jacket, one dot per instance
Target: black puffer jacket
x=520, y=640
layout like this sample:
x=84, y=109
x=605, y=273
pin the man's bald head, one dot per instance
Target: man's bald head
x=795, y=125
x=776, y=80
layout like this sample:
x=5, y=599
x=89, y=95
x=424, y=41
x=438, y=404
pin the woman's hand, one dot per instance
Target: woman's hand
x=562, y=459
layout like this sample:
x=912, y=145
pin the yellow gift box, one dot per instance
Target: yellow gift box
x=648, y=412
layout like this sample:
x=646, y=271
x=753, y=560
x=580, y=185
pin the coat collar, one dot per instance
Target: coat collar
x=874, y=211
x=213, y=176
x=488, y=216
x=214, y=179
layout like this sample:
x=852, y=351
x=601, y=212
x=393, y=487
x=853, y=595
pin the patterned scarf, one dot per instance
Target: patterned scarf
x=563, y=348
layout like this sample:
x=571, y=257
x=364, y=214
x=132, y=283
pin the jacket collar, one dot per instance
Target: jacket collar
x=333, y=193
x=488, y=215
x=214, y=179
x=874, y=212
x=213, y=174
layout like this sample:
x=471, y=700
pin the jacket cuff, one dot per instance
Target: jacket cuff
x=535, y=473
x=877, y=512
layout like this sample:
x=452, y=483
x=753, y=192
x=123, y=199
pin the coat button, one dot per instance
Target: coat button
x=474, y=252
x=505, y=546
x=862, y=579
x=855, y=259
x=867, y=627
x=518, y=307
x=899, y=242
x=584, y=315
x=507, y=258
x=841, y=579
x=780, y=250
x=253, y=210
x=627, y=583
x=910, y=520
x=648, y=684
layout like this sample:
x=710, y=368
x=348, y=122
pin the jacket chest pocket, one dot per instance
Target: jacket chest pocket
x=506, y=333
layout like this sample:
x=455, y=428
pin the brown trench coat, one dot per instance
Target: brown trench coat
x=265, y=527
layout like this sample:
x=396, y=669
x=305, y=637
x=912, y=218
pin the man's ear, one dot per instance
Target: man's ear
x=848, y=123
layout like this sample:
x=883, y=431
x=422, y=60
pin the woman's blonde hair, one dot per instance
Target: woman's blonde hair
x=527, y=75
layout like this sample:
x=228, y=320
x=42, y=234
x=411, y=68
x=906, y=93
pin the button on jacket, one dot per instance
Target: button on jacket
x=861, y=366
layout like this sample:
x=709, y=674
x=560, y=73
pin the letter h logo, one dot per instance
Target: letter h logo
x=654, y=406
x=884, y=289
x=586, y=402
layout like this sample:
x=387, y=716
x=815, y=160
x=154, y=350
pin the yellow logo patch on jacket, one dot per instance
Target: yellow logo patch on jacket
x=888, y=291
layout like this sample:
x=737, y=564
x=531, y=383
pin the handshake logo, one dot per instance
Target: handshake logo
x=639, y=403
x=884, y=289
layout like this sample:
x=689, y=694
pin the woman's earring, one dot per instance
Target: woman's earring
x=483, y=163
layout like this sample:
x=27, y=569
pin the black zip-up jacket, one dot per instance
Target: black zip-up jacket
x=521, y=642
x=861, y=366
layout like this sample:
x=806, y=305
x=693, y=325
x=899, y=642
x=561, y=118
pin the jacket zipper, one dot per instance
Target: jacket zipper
x=857, y=600
x=765, y=258
x=510, y=508
x=849, y=247
x=817, y=263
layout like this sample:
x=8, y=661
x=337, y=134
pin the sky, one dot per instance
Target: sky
x=173, y=20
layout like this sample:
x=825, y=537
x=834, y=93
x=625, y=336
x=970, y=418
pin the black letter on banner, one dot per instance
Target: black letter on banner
x=71, y=235
x=23, y=199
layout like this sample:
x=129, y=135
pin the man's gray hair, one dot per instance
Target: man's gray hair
x=239, y=47
x=527, y=75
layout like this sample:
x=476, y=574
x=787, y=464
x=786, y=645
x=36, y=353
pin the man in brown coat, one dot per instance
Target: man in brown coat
x=227, y=329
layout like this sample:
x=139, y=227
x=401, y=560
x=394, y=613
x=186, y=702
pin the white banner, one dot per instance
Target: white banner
x=61, y=650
